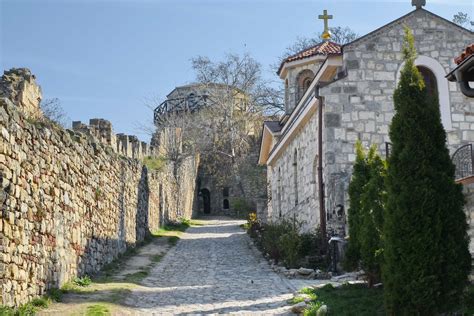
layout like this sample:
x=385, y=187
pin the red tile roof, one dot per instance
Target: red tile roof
x=324, y=48
x=467, y=52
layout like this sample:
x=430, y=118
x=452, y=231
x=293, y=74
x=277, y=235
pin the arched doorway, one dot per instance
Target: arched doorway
x=206, y=200
x=226, y=204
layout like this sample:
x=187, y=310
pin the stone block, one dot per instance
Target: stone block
x=332, y=120
x=384, y=75
x=468, y=136
x=352, y=64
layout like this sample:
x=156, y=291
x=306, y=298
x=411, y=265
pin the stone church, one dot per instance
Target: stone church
x=338, y=94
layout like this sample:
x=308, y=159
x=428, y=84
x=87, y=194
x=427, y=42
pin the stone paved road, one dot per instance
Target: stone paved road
x=212, y=270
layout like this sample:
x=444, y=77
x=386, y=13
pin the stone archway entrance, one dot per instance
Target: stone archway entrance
x=206, y=200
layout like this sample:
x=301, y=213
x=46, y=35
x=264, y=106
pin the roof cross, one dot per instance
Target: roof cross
x=326, y=35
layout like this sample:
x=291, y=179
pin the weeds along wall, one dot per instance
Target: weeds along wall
x=71, y=203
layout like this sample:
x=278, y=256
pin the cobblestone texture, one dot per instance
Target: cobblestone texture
x=212, y=270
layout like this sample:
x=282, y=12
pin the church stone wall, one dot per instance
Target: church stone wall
x=70, y=204
x=360, y=106
x=282, y=180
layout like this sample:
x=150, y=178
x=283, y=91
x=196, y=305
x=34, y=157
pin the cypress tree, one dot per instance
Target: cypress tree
x=371, y=217
x=360, y=176
x=426, y=257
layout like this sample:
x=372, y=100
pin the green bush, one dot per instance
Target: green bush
x=290, y=243
x=367, y=193
x=84, y=281
x=283, y=243
x=360, y=176
x=426, y=256
x=154, y=163
x=271, y=234
x=371, y=218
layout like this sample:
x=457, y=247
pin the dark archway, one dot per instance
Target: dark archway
x=226, y=204
x=206, y=199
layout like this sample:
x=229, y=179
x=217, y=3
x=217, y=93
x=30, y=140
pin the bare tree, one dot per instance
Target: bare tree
x=54, y=112
x=464, y=20
x=227, y=128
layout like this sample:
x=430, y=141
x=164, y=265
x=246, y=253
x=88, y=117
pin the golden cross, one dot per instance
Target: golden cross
x=326, y=35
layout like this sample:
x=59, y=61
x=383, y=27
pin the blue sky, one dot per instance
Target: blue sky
x=106, y=58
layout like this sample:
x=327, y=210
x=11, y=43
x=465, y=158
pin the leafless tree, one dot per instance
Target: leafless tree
x=464, y=20
x=227, y=128
x=54, y=112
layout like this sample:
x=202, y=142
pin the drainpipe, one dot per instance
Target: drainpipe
x=466, y=89
x=322, y=210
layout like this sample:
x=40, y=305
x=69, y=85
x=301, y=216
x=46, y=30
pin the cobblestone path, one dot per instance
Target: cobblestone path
x=212, y=270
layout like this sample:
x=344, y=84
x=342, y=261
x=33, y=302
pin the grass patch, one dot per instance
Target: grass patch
x=301, y=298
x=156, y=258
x=97, y=310
x=358, y=299
x=84, y=281
x=117, y=295
x=24, y=310
x=154, y=163
x=196, y=222
x=349, y=299
x=41, y=302
x=55, y=295
x=173, y=240
x=137, y=276
x=174, y=230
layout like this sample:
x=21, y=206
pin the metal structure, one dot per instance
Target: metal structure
x=464, y=162
x=190, y=103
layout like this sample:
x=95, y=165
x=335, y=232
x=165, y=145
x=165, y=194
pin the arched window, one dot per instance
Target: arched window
x=295, y=172
x=430, y=80
x=304, y=81
x=226, y=204
x=279, y=192
x=434, y=75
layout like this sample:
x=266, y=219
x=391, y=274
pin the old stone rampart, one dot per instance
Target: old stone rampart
x=73, y=200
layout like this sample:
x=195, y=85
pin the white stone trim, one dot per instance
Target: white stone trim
x=296, y=126
x=443, y=86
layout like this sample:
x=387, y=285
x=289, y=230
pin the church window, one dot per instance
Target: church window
x=430, y=80
x=295, y=175
x=226, y=204
x=287, y=93
x=304, y=81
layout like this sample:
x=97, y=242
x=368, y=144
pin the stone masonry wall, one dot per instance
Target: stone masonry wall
x=360, y=106
x=70, y=204
x=283, y=204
